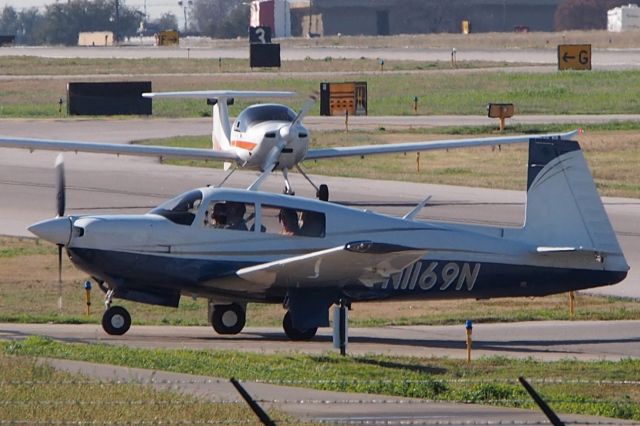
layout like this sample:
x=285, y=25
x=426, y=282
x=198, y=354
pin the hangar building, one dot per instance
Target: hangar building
x=387, y=17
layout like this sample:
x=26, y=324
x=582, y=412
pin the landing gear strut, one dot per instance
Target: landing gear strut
x=228, y=319
x=322, y=191
x=294, y=333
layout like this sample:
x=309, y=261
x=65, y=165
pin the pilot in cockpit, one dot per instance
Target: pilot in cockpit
x=219, y=215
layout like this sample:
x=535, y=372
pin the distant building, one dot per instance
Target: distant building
x=271, y=13
x=386, y=17
x=623, y=18
x=95, y=38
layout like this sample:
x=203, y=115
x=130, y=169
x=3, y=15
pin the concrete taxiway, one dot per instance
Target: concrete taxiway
x=544, y=340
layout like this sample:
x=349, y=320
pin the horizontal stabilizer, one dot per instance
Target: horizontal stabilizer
x=364, y=262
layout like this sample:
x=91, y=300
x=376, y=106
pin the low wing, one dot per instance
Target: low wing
x=361, y=261
x=351, y=151
x=118, y=149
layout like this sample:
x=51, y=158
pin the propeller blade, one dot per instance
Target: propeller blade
x=60, y=277
x=60, y=186
x=304, y=111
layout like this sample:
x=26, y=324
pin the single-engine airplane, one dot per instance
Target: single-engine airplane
x=263, y=137
x=235, y=246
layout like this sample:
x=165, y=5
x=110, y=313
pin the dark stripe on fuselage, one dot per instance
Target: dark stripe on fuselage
x=426, y=279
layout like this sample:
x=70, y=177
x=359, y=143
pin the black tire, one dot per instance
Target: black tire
x=228, y=319
x=295, y=334
x=116, y=321
x=323, y=193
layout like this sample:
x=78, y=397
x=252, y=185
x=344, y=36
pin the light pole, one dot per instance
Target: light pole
x=116, y=36
x=185, y=5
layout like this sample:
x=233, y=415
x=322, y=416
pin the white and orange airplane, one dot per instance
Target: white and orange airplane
x=264, y=137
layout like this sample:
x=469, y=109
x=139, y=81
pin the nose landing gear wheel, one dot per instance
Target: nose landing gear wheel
x=295, y=334
x=116, y=321
x=228, y=319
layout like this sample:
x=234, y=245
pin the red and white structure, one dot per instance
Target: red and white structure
x=272, y=13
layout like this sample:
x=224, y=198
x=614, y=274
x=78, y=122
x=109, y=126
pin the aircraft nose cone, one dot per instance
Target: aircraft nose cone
x=56, y=230
x=285, y=132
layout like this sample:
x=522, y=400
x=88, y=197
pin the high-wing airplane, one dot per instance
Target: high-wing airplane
x=235, y=246
x=263, y=137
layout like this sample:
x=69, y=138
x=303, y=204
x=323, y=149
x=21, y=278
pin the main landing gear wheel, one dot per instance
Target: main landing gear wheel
x=228, y=319
x=295, y=334
x=323, y=192
x=116, y=321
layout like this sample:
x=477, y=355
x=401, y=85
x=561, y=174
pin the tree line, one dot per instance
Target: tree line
x=60, y=23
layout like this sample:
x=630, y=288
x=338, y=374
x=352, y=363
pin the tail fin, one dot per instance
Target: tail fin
x=563, y=205
x=221, y=130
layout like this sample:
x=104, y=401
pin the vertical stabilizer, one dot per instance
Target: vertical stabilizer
x=564, y=208
x=221, y=129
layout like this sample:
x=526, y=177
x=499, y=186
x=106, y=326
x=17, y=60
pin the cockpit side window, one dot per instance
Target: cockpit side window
x=232, y=215
x=181, y=209
x=293, y=222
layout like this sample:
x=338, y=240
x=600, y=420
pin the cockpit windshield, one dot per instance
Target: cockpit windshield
x=263, y=112
x=181, y=209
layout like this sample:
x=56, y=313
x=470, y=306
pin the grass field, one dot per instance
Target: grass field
x=37, y=394
x=460, y=91
x=32, y=297
x=604, y=388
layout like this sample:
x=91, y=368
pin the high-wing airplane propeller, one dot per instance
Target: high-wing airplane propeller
x=235, y=247
x=264, y=137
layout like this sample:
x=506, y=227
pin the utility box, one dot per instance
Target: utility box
x=168, y=38
x=342, y=98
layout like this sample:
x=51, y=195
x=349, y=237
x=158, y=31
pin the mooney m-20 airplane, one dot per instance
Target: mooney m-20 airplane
x=238, y=246
x=263, y=137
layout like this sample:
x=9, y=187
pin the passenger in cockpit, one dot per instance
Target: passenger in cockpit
x=289, y=220
x=235, y=216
